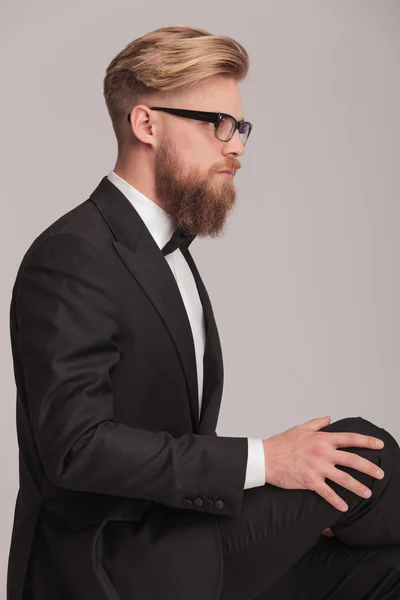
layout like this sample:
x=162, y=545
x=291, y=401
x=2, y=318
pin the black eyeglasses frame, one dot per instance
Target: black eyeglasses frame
x=209, y=117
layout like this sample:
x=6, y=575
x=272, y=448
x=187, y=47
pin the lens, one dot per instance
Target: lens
x=244, y=131
x=225, y=129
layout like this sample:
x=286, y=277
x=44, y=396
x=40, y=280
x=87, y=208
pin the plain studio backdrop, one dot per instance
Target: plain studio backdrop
x=305, y=281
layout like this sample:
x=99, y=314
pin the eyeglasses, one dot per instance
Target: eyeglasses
x=224, y=125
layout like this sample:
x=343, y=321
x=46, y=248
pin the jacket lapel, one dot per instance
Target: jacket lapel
x=145, y=261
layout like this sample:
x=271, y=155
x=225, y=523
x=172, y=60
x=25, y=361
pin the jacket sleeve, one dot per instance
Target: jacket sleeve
x=66, y=335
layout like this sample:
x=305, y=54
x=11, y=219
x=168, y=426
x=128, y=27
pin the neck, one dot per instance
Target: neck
x=138, y=172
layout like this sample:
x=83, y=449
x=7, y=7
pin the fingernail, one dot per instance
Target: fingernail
x=344, y=507
x=379, y=444
x=380, y=473
x=367, y=494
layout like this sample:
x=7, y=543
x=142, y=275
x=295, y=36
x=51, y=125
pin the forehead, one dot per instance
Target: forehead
x=214, y=94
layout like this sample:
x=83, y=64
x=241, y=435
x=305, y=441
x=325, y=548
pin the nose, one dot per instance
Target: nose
x=234, y=146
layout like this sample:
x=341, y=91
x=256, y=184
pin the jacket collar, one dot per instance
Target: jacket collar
x=160, y=224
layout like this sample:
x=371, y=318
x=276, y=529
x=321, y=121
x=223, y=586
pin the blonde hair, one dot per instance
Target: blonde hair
x=168, y=59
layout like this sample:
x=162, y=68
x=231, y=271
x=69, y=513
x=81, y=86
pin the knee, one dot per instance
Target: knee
x=365, y=427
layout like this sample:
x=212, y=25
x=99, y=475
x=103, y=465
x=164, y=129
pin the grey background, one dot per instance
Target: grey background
x=305, y=281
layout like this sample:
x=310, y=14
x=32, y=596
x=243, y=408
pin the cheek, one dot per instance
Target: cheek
x=197, y=147
x=196, y=136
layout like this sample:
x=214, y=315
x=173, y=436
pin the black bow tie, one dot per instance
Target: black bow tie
x=180, y=239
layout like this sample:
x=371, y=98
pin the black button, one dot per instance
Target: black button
x=187, y=502
x=198, y=502
x=208, y=503
x=219, y=504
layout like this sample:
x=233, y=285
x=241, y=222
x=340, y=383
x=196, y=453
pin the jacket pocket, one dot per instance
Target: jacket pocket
x=85, y=509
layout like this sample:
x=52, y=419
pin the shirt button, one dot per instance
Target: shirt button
x=198, y=502
x=219, y=504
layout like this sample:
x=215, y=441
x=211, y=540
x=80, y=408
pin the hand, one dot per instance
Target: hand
x=328, y=532
x=301, y=458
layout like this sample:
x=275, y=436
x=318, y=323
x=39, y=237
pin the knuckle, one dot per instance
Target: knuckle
x=356, y=462
x=318, y=450
x=367, y=467
x=345, y=480
x=353, y=439
x=308, y=481
x=311, y=466
x=330, y=494
x=323, y=438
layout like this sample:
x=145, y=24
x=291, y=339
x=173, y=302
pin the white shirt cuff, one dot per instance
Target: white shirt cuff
x=255, y=472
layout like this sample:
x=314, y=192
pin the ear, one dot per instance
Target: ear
x=143, y=123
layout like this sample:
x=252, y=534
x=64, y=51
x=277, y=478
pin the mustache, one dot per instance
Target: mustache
x=231, y=164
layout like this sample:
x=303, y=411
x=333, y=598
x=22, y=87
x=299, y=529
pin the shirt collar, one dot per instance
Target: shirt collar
x=157, y=221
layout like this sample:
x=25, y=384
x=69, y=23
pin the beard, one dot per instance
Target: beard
x=197, y=201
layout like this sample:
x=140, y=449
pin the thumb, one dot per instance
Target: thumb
x=317, y=424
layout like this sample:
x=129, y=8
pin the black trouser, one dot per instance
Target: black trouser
x=275, y=550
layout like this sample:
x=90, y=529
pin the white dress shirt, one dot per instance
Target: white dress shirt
x=161, y=227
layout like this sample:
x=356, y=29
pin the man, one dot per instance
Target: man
x=126, y=491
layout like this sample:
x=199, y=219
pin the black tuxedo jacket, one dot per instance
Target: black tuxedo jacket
x=107, y=413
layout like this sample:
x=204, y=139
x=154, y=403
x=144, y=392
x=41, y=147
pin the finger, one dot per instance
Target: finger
x=355, y=440
x=349, y=459
x=316, y=424
x=348, y=482
x=328, y=494
x=328, y=532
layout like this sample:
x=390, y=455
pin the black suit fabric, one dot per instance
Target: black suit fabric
x=107, y=401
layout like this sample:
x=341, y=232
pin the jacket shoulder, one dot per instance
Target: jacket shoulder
x=83, y=221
